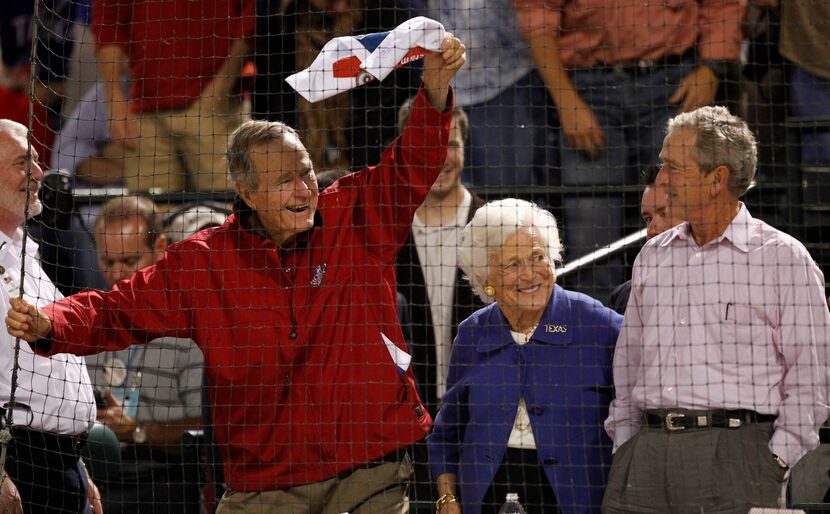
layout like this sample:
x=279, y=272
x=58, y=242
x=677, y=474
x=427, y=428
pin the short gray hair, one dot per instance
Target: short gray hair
x=7, y=125
x=492, y=225
x=722, y=139
x=243, y=139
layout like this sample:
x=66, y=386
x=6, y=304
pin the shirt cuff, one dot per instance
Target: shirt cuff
x=788, y=447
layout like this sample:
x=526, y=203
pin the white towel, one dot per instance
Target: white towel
x=350, y=61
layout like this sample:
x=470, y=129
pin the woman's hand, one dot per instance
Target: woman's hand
x=447, y=502
x=450, y=508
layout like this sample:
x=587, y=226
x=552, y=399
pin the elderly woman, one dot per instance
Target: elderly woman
x=530, y=376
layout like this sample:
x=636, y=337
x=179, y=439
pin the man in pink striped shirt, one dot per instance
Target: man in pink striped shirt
x=720, y=367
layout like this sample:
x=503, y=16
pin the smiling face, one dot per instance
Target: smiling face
x=14, y=186
x=690, y=189
x=285, y=198
x=521, y=275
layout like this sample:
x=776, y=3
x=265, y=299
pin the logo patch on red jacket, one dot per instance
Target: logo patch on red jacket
x=319, y=273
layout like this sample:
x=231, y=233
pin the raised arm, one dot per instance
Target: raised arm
x=440, y=67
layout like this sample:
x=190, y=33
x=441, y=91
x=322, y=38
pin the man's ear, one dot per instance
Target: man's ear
x=720, y=179
x=160, y=245
x=245, y=194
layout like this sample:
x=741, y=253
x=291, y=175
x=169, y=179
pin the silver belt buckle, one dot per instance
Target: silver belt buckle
x=670, y=417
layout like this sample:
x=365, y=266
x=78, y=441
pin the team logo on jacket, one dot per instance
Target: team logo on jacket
x=319, y=273
x=556, y=329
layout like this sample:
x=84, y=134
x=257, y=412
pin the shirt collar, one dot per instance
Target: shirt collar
x=250, y=223
x=680, y=232
x=12, y=245
x=737, y=232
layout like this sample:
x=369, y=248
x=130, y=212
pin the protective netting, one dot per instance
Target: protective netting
x=296, y=357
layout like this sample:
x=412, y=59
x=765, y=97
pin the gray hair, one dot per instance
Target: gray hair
x=722, y=139
x=492, y=225
x=7, y=125
x=243, y=139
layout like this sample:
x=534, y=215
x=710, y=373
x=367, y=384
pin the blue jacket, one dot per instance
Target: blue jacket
x=564, y=374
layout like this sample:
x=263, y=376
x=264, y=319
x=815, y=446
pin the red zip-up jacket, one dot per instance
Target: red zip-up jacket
x=301, y=383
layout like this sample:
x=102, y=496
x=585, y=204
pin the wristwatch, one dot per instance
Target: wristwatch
x=778, y=460
x=139, y=434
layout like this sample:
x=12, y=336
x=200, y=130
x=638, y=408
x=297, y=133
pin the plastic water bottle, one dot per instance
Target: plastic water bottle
x=512, y=505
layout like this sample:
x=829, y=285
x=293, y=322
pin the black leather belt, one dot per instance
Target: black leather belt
x=674, y=420
x=67, y=444
x=634, y=68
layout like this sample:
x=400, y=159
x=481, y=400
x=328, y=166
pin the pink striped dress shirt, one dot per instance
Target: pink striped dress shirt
x=739, y=323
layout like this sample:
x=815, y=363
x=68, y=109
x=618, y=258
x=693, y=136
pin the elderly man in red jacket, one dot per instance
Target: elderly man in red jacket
x=292, y=301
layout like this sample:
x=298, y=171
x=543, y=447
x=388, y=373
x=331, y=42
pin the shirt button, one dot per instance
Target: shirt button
x=669, y=389
x=697, y=254
x=683, y=321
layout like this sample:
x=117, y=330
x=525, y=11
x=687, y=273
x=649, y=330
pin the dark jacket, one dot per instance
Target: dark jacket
x=619, y=297
x=412, y=285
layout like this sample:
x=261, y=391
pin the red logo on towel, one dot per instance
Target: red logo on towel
x=412, y=55
x=349, y=67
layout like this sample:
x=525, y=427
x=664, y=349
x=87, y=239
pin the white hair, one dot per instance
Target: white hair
x=492, y=225
x=7, y=125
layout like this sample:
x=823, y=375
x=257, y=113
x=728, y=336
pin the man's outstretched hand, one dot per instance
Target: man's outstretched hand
x=27, y=322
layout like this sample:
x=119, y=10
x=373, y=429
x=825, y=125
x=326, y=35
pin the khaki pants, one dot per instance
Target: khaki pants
x=184, y=150
x=381, y=489
x=717, y=470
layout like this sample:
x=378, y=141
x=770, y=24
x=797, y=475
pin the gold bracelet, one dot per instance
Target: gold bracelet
x=443, y=500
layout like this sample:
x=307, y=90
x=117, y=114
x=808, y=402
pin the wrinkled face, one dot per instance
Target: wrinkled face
x=123, y=248
x=14, y=159
x=286, y=195
x=520, y=272
x=689, y=188
x=450, y=177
